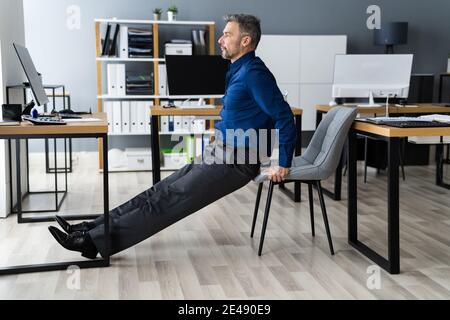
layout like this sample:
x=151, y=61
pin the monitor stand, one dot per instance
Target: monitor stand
x=371, y=104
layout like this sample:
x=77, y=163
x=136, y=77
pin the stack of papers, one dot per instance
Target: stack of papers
x=82, y=120
x=9, y=123
x=437, y=117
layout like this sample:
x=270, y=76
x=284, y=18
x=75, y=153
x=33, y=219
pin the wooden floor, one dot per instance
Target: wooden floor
x=210, y=255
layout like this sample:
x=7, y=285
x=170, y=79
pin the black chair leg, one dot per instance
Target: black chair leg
x=255, y=215
x=325, y=216
x=266, y=217
x=311, y=208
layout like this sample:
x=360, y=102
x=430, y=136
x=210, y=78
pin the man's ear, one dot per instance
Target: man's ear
x=246, y=41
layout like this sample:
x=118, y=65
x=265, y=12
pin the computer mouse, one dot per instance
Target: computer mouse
x=332, y=104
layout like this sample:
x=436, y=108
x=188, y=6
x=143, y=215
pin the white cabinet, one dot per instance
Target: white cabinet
x=304, y=67
x=312, y=94
x=281, y=55
x=317, y=55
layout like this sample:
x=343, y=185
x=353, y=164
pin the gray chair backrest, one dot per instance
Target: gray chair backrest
x=325, y=148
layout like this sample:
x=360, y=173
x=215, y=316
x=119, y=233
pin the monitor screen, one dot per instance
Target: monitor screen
x=32, y=75
x=196, y=75
x=358, y=75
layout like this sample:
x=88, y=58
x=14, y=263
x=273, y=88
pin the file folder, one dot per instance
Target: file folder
x=120, y=73
x=164, y=124
x=178, y=124
x=141, y=119
x=109, y=112
x=147, y=117
x=186, y=124
x=111, y=74
x=134, y=127
x=124, y=42
x=113, y=49
x=126, y=117
x=117, y=116
x=106, y=41
x=162, y=75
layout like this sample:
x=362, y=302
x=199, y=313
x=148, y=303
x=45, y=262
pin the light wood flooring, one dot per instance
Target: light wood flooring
x=210, y=255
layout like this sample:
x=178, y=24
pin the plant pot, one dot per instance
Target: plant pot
x=171, y=16
x=156, y=16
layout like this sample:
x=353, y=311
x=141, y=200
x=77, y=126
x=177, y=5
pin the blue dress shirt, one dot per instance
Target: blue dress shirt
x=253, y=101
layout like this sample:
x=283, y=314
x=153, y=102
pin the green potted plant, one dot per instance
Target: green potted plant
x=172, y=13
x=157, y=13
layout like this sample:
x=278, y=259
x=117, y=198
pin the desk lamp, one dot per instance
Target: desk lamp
x=390, y=34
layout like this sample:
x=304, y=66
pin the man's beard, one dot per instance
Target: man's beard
x=226, y=54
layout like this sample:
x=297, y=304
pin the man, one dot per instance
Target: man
x=252, y=102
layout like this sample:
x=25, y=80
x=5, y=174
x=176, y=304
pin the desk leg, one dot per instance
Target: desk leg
x=319, y=116
x=106, y=197
x=99, y=263
x=352, y=189
x=392, y=264
x=393, y=206
x=18, y=182
x=156, y=161
x=440, y=167
x=298, y=152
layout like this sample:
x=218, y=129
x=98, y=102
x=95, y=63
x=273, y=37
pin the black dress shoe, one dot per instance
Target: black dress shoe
x=77, y=241
x=68, y=228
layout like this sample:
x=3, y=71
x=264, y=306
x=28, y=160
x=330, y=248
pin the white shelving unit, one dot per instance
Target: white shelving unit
x=141, y=97
x=105, y=59
x=102, y=61
x=177, y=133
x=155, y=22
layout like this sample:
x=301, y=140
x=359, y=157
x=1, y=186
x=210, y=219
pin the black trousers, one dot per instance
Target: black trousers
x=183, y=193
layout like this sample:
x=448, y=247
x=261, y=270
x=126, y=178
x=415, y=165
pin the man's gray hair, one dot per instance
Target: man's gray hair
x=248, y=25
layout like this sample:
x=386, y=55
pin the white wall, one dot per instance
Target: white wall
x=11, y=30
x=306, y=69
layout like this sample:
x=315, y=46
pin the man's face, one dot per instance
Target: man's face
x=233, y=44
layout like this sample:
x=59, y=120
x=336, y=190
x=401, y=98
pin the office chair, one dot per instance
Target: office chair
x=318, y=163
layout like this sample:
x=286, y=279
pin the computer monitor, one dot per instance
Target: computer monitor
x=372, y=76
x=32, y=75
x=196, y=75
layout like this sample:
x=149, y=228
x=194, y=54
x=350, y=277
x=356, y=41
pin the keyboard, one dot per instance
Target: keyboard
x=410, y=123
x=45, y=121
x=206, y=106
x=69, y=116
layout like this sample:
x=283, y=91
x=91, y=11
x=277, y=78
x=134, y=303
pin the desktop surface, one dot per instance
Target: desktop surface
x=26, y=128
x=406, y=123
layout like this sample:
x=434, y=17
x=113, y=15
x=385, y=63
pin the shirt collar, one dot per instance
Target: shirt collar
x=234, y=67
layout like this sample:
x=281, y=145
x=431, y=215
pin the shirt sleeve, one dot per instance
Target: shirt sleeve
x=263, y=88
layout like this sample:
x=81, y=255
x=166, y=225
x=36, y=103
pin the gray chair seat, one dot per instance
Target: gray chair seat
x=322, y=156
x=318, y=163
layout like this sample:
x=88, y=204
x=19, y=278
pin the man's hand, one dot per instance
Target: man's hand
x=276, y=174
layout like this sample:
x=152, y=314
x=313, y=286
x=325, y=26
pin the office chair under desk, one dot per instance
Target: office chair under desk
x=318, y=163
x=401, y=157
